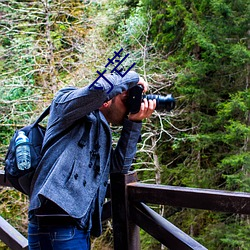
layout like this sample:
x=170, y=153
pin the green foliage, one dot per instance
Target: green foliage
x=41, y=48
x=148, y=242
x=198, y=50
x=134, y=28
x=205, y=44
x=14, y=208
x=222, y=235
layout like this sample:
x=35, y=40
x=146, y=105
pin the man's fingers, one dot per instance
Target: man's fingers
x=147, y=108
x=143, y=83
x=151, y=104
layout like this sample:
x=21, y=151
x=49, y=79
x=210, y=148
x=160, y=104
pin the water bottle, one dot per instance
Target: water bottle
x=23, y=156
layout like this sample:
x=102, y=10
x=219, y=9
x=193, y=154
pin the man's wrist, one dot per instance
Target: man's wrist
x=128, y=121
x=133, y=120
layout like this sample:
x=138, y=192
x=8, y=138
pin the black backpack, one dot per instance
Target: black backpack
x=21, y=179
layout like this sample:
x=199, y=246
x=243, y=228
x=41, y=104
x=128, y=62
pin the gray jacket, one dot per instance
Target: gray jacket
x=66, y=174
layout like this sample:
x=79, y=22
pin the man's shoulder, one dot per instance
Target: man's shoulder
x=66, y=90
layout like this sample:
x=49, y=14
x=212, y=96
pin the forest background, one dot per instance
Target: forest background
x=198, y=50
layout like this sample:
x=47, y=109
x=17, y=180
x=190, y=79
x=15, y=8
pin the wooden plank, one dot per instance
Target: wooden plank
x=125, y=231
x=161, y=229
x=11, y=237
x=2, y=181
x=208, y=199
x=106, y=212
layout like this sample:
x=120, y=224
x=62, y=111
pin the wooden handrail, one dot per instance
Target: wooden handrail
x=208, y=199
x=161, y=229
x=11, y=237
x=129, y=212
x=134, y=194
x=4, y=182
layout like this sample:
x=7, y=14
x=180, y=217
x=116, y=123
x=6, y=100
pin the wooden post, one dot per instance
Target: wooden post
x=126, y=233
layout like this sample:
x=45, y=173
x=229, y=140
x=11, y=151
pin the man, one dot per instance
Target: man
x=69, y=187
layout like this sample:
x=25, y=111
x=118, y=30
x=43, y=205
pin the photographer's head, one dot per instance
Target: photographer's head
x=116, y=109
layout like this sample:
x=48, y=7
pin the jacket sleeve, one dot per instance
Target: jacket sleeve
x=124, y=153
x=76, y=103
x=71, y=104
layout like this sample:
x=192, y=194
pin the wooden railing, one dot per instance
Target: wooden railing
x=8, y=234
x=129, y=212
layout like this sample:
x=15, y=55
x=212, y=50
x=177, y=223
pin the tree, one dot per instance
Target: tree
x=42, y=46
x=205, y=45
x=41, y=50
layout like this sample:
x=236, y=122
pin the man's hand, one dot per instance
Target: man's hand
x=147, y=108
x=144, y=84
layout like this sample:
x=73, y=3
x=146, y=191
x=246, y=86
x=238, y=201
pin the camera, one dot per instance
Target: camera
x=135, y=97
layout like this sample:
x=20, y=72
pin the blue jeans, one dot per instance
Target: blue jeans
x=57, y=238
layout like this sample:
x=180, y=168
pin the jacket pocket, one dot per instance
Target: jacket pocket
x=72, y=173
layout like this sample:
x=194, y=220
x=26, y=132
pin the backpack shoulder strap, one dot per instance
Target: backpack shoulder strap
x=43, y=115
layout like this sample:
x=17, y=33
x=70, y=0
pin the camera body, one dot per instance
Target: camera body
x=135, y=97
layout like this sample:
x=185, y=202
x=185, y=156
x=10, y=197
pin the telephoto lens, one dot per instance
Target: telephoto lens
x=162, y=102
x=135, y=98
